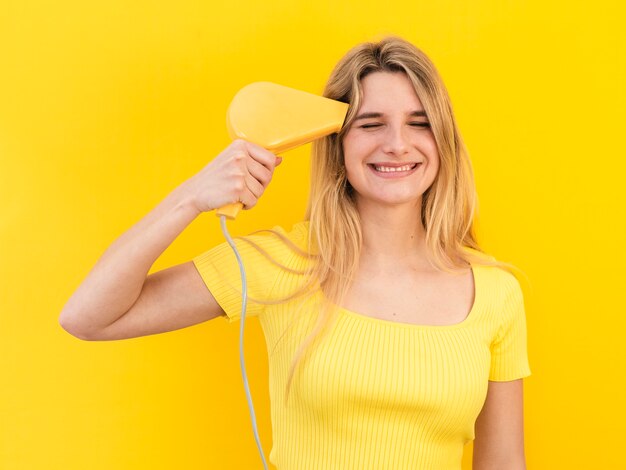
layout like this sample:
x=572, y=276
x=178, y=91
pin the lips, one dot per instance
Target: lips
x=393, y=167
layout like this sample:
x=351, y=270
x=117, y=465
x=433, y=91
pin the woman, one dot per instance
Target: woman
x=436, y=353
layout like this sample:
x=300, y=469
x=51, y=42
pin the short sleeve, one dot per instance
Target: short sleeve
x=262, y=257
x=509, y=354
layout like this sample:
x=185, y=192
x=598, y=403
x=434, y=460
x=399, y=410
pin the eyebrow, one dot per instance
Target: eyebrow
x=420, y=113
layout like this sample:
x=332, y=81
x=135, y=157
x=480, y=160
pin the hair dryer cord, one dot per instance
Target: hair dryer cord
x=244, y=302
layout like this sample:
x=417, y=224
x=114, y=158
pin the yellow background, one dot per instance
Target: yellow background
x=105, y=107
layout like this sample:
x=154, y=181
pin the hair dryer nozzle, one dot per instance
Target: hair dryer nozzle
x=280, y=118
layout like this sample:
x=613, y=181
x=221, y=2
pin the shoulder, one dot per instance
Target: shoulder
x=298, y=234
x=498, y=282
x=504, y=301
x=277, y=238
x=278, y=247
x=273, y=245
x=501, y=279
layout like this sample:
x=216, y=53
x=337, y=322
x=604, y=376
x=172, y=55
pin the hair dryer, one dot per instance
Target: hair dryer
x=279, y=118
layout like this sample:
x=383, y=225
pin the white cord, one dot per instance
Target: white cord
x=244, y=302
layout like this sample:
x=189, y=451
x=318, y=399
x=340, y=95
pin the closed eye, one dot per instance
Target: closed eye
x=374, y=125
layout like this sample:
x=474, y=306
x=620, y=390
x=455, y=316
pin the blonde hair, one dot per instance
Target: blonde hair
x=449, y=205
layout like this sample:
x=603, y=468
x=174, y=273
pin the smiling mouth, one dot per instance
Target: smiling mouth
x=393, y=169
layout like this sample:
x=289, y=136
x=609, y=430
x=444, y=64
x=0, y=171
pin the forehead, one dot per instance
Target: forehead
x=387, y=92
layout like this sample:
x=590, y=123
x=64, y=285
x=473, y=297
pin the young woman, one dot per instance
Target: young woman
x=393, y=339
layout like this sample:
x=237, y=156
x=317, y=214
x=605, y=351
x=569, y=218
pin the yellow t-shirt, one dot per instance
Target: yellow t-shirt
x=372, y=394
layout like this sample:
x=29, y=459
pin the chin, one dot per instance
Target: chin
x=393, y=201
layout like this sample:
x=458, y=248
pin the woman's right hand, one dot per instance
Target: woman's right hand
x=240, y=173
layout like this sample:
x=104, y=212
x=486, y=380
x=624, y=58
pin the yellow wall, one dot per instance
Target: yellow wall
x=106, y=106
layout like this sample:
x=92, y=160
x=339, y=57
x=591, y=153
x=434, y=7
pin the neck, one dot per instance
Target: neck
x=393, y=235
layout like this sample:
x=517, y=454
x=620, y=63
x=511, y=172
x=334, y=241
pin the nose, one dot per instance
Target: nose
x=396, y=141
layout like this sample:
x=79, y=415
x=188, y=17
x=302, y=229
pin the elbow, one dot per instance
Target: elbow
x=71, y=323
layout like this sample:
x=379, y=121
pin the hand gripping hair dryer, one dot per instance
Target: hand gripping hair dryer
x=279, y=118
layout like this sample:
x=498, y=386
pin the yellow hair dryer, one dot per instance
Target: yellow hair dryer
x=279, y=118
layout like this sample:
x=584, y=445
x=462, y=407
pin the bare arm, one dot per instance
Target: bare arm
x=499, y=442
x=118, y=300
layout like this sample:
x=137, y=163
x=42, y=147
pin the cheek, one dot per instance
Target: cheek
x=350, y=145
x=352, y=152
x=435, y=167
x=430, y=145
x=434, y=161
x=360, y=143
x=430, y=148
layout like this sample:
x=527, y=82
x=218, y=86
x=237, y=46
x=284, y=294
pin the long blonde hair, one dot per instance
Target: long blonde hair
x=449, y=205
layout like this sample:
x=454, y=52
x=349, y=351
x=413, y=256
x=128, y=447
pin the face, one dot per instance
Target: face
x=390, y=152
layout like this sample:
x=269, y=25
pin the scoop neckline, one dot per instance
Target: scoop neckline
x=470, y=316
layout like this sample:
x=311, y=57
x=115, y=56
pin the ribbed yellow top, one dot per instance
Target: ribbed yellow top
x=372, y=394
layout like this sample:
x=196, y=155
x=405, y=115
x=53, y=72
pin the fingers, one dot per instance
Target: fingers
x=259, y=172
x=240, y=173
x=261, y=155
x=259, y=168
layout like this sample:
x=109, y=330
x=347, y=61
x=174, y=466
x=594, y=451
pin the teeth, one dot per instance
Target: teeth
x=391, y=169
